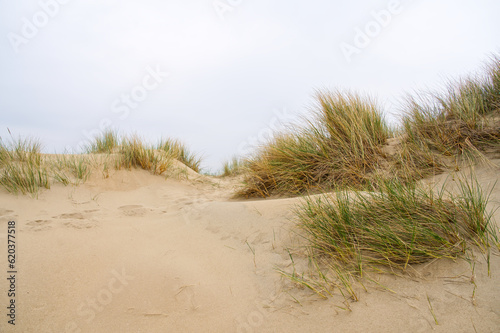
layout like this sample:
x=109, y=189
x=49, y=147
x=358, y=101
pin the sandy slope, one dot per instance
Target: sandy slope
x=137, y=253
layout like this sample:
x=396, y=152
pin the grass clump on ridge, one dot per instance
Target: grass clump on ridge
x=21, y=169
x=462, y=121
x=134, y=153
x=71, y=169
x=341, y=145
x=106, y=142
x=157, y=158
x=180, y=152
x=25, y=171
x=235, y=166
x=390, y=230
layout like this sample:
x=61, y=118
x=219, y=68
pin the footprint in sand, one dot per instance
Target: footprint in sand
x=39, y=225
x=5, y=212
x=133, y=210
x=184, y=201
x=6, y=215
x=77, y=216
x=87, y=224
x=76, y=220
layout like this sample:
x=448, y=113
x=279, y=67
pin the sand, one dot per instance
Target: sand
x=140, y=253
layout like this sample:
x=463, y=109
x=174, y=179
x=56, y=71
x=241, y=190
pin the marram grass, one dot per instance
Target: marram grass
x=110, y=141
x=105, y=142
x=463, y=119
x=24, y=178
x=235, y=166
x=340, y=145
x=180, y=152
x=21, y=169
x=354, y=233
x=24, y=170
x=134, y=153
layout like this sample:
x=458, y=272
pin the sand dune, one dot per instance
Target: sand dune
x=137, y=253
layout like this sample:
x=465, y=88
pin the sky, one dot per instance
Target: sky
x=222, y=75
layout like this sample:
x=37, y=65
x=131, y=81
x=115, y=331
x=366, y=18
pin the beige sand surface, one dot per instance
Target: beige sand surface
x=138, y=253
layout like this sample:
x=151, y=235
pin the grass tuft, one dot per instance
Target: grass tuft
x=134, y=153
x=398, y=226
x=24, y=170
x=462, y=121
x=71, y=169
x=106, y=142
x=24, y=178
x=180, y=152
x=21, y=169
x=341, y=145
x=233, y=167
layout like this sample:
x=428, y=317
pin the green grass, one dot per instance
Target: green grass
x=24, y=170
x=20, y=150
x=137, y=153
x=21, y=169
x=71, y=169
x=233, y=167
x=340, y=145
x=464, y=119
x=106, y=142
x=24, y=178
x=134, y=153
x=180, y=152
x=354, y=233
x=414, y=161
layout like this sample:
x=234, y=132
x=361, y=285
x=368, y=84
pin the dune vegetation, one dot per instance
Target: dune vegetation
x=352, y=234
x=21, y=167
x=377, y=217
x=342, y=144
x=24, y=170
x=234, y=167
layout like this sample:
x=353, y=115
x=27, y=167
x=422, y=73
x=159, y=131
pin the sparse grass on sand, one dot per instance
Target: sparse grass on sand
x=70, y=169
x=353, y=233
x=134, y=153
x=234, y=167
x=21, y=167
x=24, y=170
x=180, y=152
x=378, y=218
x=462, y=122
x=106, y=142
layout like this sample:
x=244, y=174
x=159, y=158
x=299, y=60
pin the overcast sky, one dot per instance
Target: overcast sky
x=218, y=75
